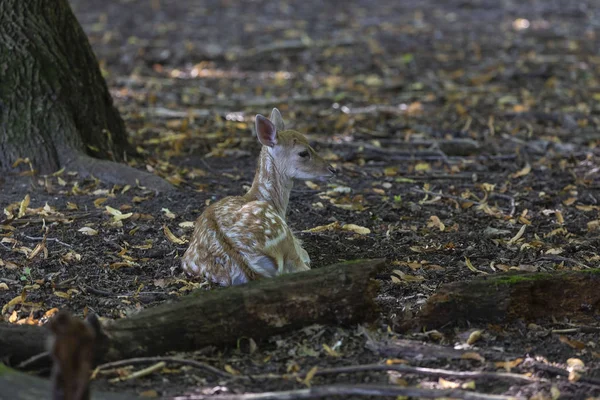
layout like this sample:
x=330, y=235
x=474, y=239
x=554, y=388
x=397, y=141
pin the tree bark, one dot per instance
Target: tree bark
x=507, y=297
x=55, y=108
x=339, y=294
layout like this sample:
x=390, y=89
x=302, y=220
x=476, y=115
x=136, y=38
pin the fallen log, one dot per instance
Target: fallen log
x=506, y=297
x=340, y=294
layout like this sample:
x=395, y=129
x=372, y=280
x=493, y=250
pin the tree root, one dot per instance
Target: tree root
x=116, y=173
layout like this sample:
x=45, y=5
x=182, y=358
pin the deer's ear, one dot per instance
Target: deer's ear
x=266, y=131
x=277, y=120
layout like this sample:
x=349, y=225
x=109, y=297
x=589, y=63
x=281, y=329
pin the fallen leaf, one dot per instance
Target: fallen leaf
x=86, y=230
x=117, y=214
x=311, y=185
x=168, y=213
x=330, y=352
x=99, y=201
x=186, y=224
x=472, y=268
x=309, y=376
x=231, y=370
x=518, y=235
x=435, y=222
x=576, y=344
x=172, y=238
x=508, y=365
x=322, y=228
x=444, y=384
x=526, y=170
x=406, y=278
x=23, y=206
x=471, y=355
x=361, y=230
x=474, y=336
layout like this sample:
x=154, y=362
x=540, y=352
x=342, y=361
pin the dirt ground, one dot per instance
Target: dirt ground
x=453, y=124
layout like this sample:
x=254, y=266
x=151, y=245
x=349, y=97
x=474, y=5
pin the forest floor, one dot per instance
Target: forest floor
x=454, y=124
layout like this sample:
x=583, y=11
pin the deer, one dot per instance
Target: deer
x=71, y=345
x=244, y=238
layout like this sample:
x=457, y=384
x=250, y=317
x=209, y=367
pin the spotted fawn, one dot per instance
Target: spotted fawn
x=239, y=239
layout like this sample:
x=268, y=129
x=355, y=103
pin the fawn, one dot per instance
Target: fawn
x=71, y=346
x=239, y=239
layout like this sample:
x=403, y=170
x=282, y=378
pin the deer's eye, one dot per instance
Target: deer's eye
x=304, y=154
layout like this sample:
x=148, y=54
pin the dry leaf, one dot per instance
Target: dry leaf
x=231, y=370
x=508, y=365
x=23, y=206
x=311, y=185
x=86, y=230
x=172, y=238
x=406, y=277
x=435, y=222
x=99, y=201
x=593, y=225
x=186, y=224
x=168, y=213
x=322, y=228
x=570, y=201
x=422, y=167
x=474, y=336
x=518, y=235
x=330, y=352
x=309, y=376
x=117, y=214
x=576, y=344
x=361, y=230
x=444, y=384
x=471, y=355
x=526, y=170
x=472, y=268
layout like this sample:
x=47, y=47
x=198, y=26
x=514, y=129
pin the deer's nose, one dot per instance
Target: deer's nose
x=332, y=170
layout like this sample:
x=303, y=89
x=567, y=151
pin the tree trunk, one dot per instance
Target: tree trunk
x=505, y=297
x=339, y=294
x=55, y=108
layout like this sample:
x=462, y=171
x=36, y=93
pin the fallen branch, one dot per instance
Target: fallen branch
x=340, y=294
x=141, y=373
x=358, y=390
x=508, y=296
x=169, y=360
x=407, y=369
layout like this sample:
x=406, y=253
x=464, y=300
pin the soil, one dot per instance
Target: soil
x=453, y=124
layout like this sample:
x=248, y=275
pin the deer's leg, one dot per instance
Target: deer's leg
x=301, y=252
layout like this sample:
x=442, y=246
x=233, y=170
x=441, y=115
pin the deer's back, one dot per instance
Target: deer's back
x=236, y=240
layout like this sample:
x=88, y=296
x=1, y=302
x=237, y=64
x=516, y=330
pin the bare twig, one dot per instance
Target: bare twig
x=48, y=239
x=560, y=258
x=425, y=371
x=33, y=360
x=170, y=360
x=141, y=373
x=359, y=390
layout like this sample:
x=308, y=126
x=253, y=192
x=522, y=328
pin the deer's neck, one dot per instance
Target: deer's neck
x=270, y=184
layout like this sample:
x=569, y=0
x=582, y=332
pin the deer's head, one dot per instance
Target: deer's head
x=289, y=150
